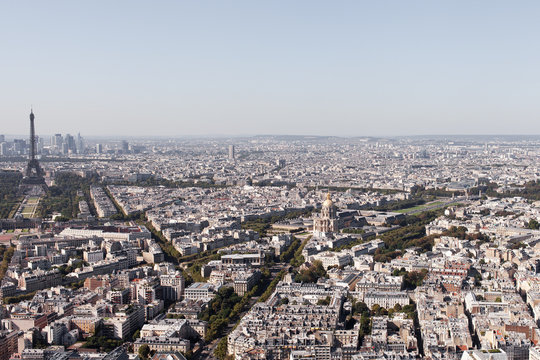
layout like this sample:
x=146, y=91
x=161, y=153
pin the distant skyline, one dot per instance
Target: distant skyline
x=346, y=68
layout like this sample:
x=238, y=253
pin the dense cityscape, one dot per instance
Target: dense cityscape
x=269, y=247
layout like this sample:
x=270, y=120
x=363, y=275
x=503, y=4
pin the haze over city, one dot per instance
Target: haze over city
x=269, y=180
x=350, y=68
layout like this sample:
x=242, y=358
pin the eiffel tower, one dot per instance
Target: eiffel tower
x=34, y=173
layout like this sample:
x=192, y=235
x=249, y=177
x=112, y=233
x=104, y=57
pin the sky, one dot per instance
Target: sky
x=301, y=67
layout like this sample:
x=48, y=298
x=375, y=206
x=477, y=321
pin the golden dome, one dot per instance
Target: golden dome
x=328, y=202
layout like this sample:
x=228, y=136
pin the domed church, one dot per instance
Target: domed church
x=326, y=222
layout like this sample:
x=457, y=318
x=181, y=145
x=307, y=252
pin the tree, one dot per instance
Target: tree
x=117, y=216
x=311, y=274
x=361, y=308
x=411, y=280
x=144, y=351
x=221, y=349
x=325, y=301
x=533, y=224
x=9, y=184
x=64, y=196
x=414, y=279
x=477, y=279
x=288, y=254
x=365, y=327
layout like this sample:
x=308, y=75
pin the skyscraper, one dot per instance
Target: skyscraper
x=231, y=152
x=80, y=144
x=70, y=142
x=57, y=141
x=4, y=149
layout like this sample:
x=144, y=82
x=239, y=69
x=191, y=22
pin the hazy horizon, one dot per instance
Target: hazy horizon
x=310, y=68
x=450, y=137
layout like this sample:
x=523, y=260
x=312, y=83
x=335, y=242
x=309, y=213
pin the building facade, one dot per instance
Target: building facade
x=326, y=222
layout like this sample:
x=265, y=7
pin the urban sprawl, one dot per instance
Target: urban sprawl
x=269, y=247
